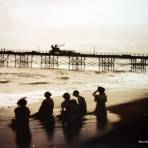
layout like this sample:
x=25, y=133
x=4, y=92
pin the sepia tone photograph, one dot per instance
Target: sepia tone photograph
x=73, y=74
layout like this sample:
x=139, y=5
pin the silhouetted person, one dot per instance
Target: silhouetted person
x=81, y=103
x=21, y=124
x=74, y=110
x=101, y=98
x=65, y=106
x=46, y=109
x=70, y=114
x=22, y=114
x=70, y=108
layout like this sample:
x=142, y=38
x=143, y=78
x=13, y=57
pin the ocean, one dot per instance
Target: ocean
x=32, y=83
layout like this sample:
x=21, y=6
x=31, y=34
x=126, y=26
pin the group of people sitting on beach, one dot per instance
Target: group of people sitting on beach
x=71, y=109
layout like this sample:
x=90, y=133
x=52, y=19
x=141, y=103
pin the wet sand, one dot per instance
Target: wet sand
x=126, y=126
x=130, y=131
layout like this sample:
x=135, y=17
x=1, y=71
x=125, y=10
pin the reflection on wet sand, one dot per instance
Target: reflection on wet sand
x=58, y=134
x=49, y=127
x=71, y=130
x=23, y=136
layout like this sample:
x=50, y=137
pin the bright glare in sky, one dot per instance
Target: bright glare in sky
x=109, y=25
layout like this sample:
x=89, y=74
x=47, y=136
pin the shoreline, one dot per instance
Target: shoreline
x=115, y=97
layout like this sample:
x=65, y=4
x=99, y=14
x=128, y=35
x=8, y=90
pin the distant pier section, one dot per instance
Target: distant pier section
x=59, y=59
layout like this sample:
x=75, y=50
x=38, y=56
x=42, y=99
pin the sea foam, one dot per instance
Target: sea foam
x=32, y=83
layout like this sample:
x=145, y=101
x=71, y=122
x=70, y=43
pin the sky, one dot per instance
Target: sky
x=82, y=25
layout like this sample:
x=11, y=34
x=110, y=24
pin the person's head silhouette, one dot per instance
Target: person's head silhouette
x=47, y=94
x=22, y=102
x=76, y=93
x=101, y=89
x=66, y=96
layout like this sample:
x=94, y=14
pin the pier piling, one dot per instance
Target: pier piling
x=71, y=60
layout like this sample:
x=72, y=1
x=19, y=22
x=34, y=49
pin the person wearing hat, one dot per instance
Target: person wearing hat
x=45, y=111
x=100, y=98
x=22, y=113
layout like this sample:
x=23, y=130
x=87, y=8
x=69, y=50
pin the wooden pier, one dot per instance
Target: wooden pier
x=70, y=60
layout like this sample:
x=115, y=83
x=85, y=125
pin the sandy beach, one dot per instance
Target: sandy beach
x=126, y=126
